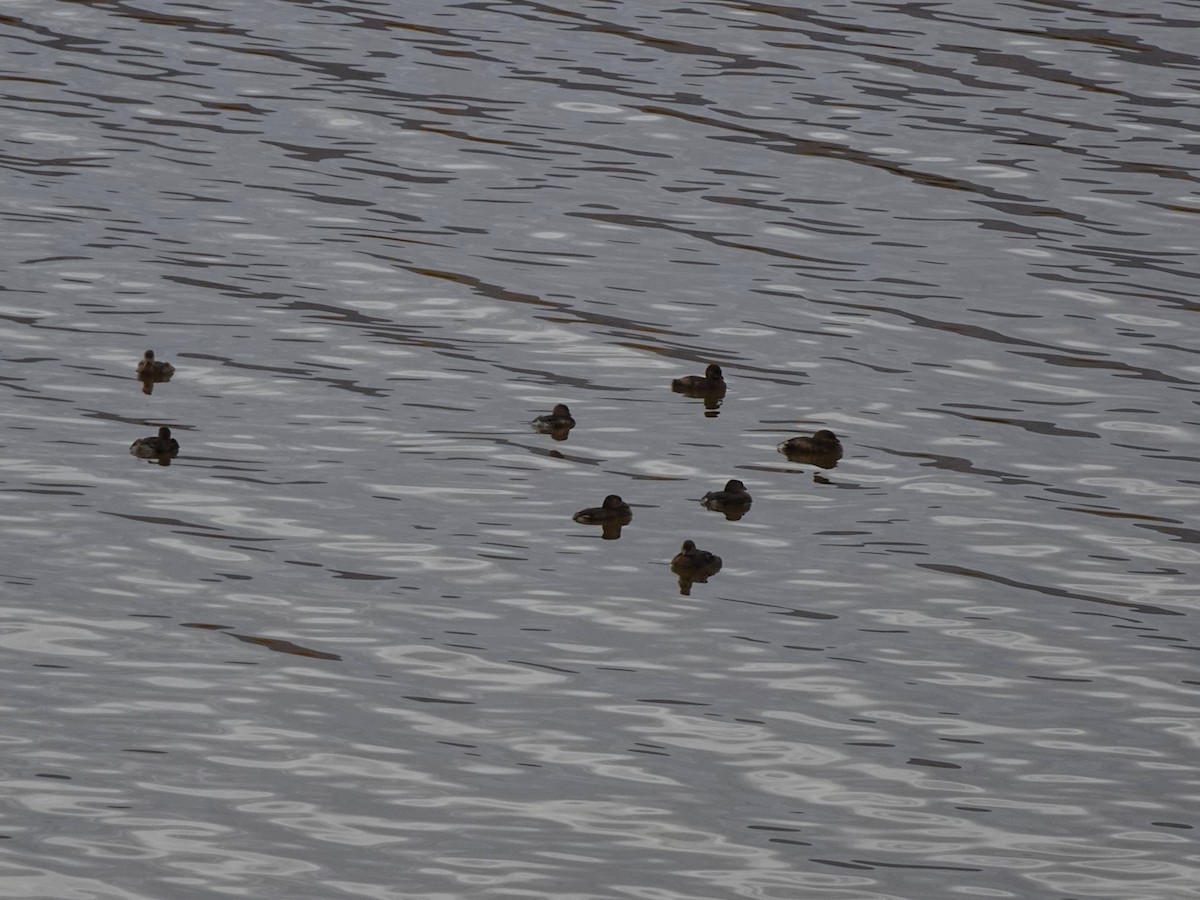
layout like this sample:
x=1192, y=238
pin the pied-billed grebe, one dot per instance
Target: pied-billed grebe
x=161, y=444
x=734, y=494
x=149, y=367
x=559, y=417
x=823, y=443
x=613, y=509
x=711, y=382
x=691, y=558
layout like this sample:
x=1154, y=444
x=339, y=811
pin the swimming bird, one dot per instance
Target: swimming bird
x=613, y=509
x=822, y=444
x=711, y=382
x=559, y=417
x=692, y=559
x=734, y=494
x=158, y=445
x=149, y=367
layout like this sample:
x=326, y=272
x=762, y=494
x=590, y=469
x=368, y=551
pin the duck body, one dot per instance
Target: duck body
x=710, y=383
x=691, y=558
x=733, y=495
x=559, y=417
x=613, y=509
x=149, y=367
x=822, y=444
x=161, y=444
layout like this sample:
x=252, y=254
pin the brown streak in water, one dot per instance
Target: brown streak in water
x=786, y=143
x=1033, y=426
x=1117, y=514
x=1050, y=591
x=282, y=646
x=160, y=520
x=568, y=314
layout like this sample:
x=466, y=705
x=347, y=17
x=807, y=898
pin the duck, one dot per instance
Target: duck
x=711, y=382
x=161, y=444
x=734, y=494
x=149, y=367
x=613, y=509
x=692, y=559
x=559, y=417
x=823, y=443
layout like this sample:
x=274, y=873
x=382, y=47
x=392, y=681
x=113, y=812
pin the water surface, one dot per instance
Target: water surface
x=350, y=643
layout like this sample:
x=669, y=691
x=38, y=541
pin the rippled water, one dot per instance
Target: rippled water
x=350, y=643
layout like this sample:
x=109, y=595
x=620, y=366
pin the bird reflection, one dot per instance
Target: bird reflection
x=610, y=531
x=557, y=423
x=612, y=515
x=734, y=501
x=692, y=565
x=823, y=449
x=149, y=381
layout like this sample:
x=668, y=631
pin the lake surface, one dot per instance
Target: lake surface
x=350, y=642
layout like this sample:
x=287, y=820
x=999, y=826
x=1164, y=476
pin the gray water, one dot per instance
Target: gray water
x=350, y=643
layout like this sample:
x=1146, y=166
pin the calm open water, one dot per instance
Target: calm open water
x=350, y=643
